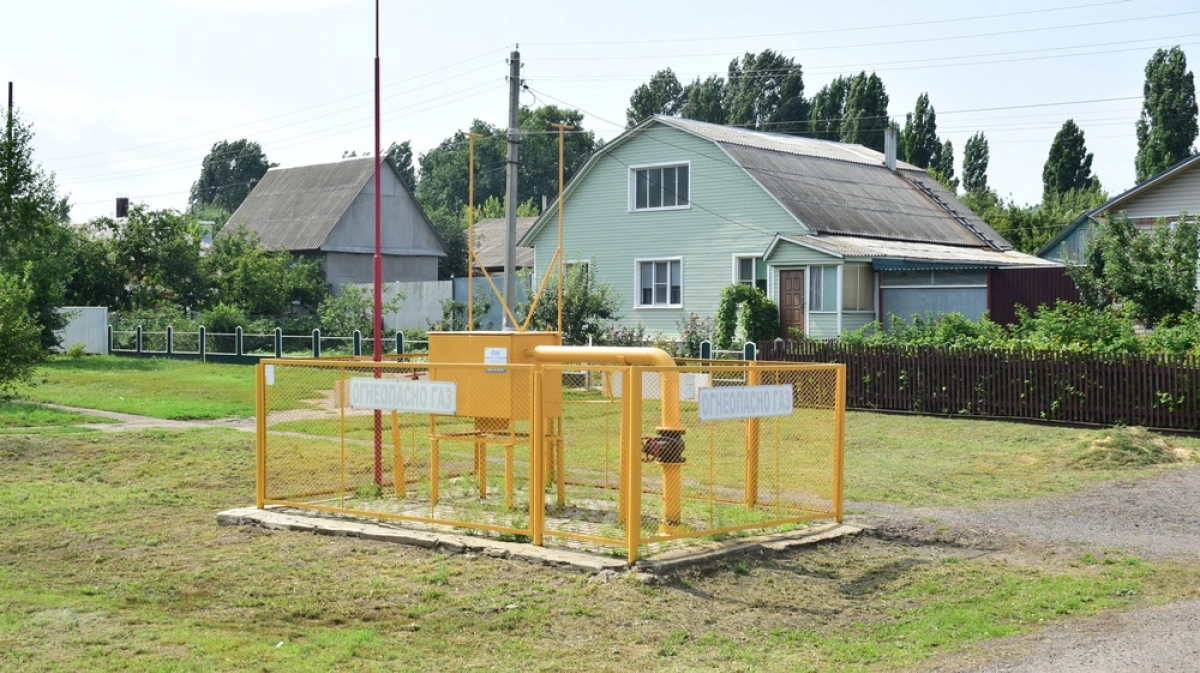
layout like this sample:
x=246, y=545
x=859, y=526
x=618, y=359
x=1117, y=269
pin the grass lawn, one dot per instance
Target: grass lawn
x=18, y=414
x=111, y=560
x=173, y=389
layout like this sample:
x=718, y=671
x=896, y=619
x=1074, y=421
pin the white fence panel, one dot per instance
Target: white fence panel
x=87, y=325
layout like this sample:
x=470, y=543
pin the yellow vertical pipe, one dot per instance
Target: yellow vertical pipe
x=481, y=427
x=537, y=439
x=260, y=449
x=342, y=426
x=399, y=478
x=561, y=206
x=624, y=448
x=633, y=474
x=753, y=378
x=672, y=484
x=433, y=462
x=471, y=229
x=561, y=474
x=839, y=441
x=508, y=465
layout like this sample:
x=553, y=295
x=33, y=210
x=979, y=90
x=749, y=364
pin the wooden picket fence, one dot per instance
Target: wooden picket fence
x=1157, y=391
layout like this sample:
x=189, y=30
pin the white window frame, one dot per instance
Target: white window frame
x=874, y=291
x=809, y=275
x=633, y=171
x=756, y=256
x=637, y=282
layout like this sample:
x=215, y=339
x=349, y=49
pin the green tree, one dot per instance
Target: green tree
x=704, y=100
x=866, y=116
x=919, y=139
x=35, y=240
x=352, y=309
x=1154, y=272
x=589, y=305
x=228, y=173
x=975, y=164
x=765, y=92
x=98, y=280
x=1167, y=127
x=1069, y=165
x=943, y=165
x=20, y=348
x=259, y=281
x=444, y=170
x=538, y=172
x=662, y=95
x=402, y=158
x=159, y=251
x=827, y=109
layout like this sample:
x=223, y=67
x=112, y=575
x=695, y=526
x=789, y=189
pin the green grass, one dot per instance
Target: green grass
x=111, y=560
x=921, y=460
x=172, y=389
x=18, y=414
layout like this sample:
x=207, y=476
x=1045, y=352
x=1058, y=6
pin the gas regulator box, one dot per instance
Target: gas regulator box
x=494, y=390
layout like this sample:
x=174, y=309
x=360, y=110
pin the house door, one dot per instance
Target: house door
x=791, y=302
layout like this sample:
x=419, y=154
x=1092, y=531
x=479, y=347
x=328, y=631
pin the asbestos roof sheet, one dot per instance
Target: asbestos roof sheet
x=778, y=142
x=874, y=248
x=490, y=238
x=837, y=196
x=296, y=208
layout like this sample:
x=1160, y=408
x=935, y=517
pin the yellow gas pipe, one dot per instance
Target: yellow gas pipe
x=669, y=420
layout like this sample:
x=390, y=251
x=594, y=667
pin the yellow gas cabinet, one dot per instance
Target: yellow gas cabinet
x=494, y=390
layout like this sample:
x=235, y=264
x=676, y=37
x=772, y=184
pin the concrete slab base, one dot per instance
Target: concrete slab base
x=279, y=518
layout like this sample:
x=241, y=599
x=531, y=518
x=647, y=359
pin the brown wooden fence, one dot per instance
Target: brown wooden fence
x=1157, y=391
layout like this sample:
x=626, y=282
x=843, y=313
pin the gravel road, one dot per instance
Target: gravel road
x=1154, y=517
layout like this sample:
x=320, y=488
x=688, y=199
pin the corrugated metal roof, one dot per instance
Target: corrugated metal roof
x=489, y=242
x=296, y=208
x=838, y=196
x=778, y=142
x=873, y=248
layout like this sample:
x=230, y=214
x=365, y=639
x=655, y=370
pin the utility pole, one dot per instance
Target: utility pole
x=514, y=139
x=471, y=229
x=8, y=162
x=377, y=313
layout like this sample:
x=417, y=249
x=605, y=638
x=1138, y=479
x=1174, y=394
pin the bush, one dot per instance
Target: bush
x=1075, y=327
x=695, y=330
x=759, y=318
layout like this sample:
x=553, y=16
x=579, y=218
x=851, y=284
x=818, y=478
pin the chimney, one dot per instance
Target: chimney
x=889, y=147
x=122, y=206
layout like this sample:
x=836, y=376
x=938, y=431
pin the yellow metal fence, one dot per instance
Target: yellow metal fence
x=636, y=458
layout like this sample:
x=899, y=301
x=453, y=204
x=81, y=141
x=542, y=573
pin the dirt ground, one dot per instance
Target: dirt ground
x=1156, y=517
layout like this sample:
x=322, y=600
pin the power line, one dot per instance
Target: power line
x=890, y=43
x=288, y=114
x=834, y=30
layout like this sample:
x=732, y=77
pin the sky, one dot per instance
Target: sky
x=126, y=97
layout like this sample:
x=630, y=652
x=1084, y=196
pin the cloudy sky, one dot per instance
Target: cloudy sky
x=127, y=96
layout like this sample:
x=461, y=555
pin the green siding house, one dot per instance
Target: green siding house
x=674, y=210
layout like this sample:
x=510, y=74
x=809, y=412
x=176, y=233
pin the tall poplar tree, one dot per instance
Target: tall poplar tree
x=919, y=139
x=866, y=115
x=705, y=100
x=662, y=95
x=765, y=92
x=1167, y=127
x=1069, y=166
x=975, y=164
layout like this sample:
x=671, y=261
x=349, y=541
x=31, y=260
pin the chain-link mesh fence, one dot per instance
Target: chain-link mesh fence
x=558, y=454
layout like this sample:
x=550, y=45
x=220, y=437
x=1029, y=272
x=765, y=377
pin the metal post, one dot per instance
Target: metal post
x=753, y=378
x=316, y=343
x=399, y=342
x=139, y=339
x=511, y=194
x=357, y=342
x=110, y=339
x=561, y=128
x=238, y=349
x=750, y=351
x=706, y=350
x=278, y=342
x=203, y=342
x=170, y=340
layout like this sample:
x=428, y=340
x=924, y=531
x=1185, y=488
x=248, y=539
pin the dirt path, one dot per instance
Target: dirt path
x=1154, y=517
x=135, y=422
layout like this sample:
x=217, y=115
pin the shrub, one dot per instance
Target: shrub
x=20, y=348
x=759, y=318
x=1075, y=327
x=693, y=331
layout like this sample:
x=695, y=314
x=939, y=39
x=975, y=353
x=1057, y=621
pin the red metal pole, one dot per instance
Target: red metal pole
x=378, y=314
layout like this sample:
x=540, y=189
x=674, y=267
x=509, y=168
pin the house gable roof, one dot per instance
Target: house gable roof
x=830, y=187
x=296, y=208
x=489, y=242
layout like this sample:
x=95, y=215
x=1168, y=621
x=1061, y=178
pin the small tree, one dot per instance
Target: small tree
x=588, y=305
x=351, y=310
x=20, y=348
